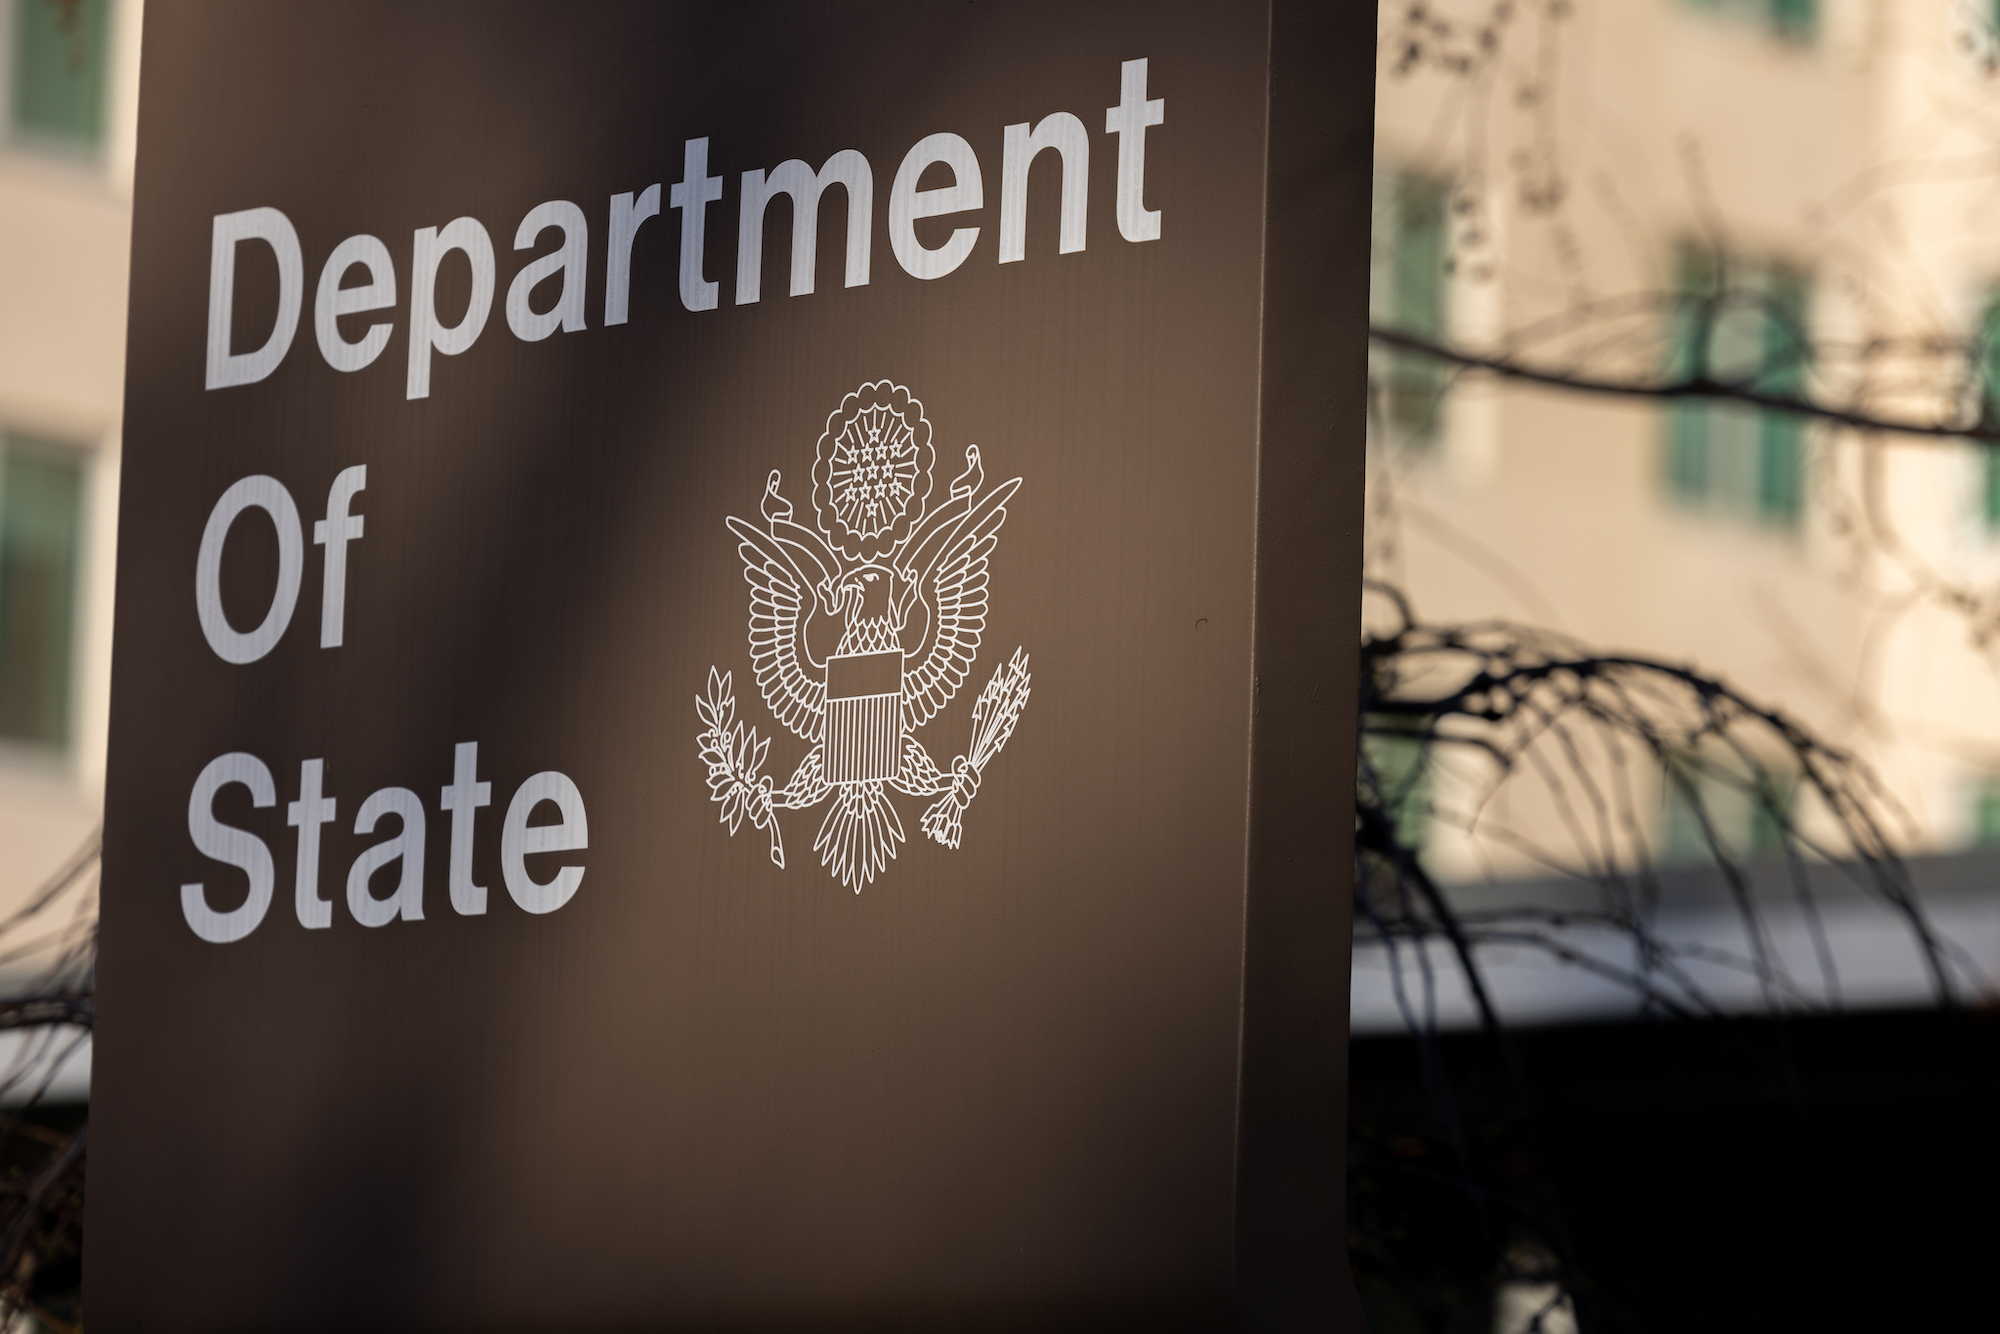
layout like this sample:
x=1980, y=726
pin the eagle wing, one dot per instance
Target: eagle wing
x=780, y=602
x=955, y=589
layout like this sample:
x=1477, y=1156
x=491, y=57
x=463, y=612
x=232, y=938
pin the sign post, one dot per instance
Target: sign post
x=733, y=702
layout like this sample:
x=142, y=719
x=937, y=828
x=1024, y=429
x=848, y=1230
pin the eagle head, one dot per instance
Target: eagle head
x=868, y=595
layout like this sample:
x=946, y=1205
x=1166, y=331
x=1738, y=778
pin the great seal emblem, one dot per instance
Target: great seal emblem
x=862, y=629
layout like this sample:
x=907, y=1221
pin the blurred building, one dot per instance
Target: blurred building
x=1554, y=183
x=69, y=78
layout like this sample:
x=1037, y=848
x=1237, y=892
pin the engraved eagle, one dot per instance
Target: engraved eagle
x=862, y=629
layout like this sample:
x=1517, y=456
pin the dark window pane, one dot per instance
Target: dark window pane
x=1714, y=807
x=1417, y=305
x=59, y=70
x=1686, y=822
x=1773, y=812
x=1780, y=469
x=1687, y=358
x=41, y=492
x=1737, y=323
x=1781, y=435
x=1687, y=452
x=1991, y=466
x=1986, y=815
x=1395, y=757
x=1989, y=376
x=1420, y=256
x=1795, y=20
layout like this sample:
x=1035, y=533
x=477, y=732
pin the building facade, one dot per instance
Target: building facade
x=1787, y=196
x=69, y=90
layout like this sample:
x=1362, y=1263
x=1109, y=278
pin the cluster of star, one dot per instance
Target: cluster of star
x=872, y=479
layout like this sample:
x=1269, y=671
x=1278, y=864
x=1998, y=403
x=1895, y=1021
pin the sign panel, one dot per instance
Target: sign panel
x=733, y=671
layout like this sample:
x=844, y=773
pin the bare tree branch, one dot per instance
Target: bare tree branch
x=1701, y=388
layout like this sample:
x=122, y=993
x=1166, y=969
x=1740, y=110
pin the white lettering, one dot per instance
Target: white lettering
x=571, y=259
x=1128, y=120
x=407, y=846
x=519, y=840
x=269, y=495
x=1064, y=133
x=463, y=799
x=275, y=230
x=308, y=813
x=429, y=248
x=315, y=809
x=907, y=204
x=334, y=532
x=231, y=846
x=626, y=215
x=846, y=168
x=692, y=197
x=333, y=301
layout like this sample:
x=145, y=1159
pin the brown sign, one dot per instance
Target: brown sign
x=734, y=668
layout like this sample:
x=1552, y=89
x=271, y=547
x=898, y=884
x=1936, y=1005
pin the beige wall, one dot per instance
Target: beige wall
x=65, y=229
x=1861, y=156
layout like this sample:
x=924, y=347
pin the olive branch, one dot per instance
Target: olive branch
x=734, y=755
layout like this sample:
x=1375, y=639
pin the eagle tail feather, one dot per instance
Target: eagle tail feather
x=859, y=835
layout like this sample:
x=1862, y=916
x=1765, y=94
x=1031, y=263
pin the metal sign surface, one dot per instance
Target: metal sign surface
x=726, y=708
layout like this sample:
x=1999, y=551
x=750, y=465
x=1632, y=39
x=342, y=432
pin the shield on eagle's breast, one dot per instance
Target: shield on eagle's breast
x=864, y=717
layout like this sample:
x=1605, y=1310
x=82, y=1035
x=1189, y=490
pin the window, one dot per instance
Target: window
x=1989, y=499
x=1746, y=813
x=1793, y=20
x=56, y=72
x=1985, y=829
x=1395, y=763
x=41, y=495
x=1407, y=293
x=1987, y=370
x=1738, y=322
